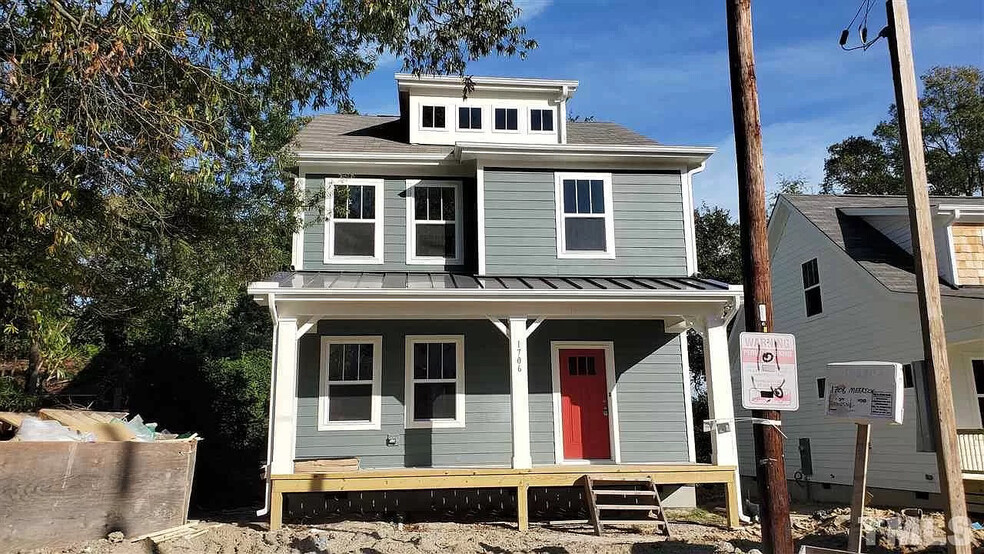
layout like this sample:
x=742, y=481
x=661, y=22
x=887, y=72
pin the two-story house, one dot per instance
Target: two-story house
x=492, y=296
x=843, y=283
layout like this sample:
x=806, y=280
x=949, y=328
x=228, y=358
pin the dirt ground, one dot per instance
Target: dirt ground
x=693, y=531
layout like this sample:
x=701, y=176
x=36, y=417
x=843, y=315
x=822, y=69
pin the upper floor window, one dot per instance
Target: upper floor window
x=585, y=225
x=506, y=119
x=811, y=288
x=469, y=118
x=354, y=228
x=435, y=390
x=541, y=120
x=432, y=117
x=350, y=381
x=434, y=222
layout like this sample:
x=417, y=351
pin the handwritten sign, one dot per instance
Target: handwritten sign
x=865, y=392
x=768, y=372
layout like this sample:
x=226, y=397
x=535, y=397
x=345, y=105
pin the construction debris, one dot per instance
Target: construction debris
x=51, y=424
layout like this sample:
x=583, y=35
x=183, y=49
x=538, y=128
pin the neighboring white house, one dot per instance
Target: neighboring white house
x=843, y=284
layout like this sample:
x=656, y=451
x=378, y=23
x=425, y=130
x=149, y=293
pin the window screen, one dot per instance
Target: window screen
x=350, y=382
x=354, y=220
x=811, y=288
x=506, y=119
x=584, y=215
x=541, y=120
x=432, y=117
x=469, y=118
x=435, y=220
x=435, y=375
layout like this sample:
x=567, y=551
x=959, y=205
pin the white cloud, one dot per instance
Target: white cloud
x=531, y=8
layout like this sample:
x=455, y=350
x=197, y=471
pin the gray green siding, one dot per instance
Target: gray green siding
x=394, y=230
x=648, y=369
x=521, y=226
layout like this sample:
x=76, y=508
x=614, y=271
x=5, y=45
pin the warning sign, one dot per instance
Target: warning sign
x=865, y=392
x=768, y=372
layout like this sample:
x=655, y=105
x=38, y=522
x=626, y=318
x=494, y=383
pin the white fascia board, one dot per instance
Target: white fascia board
x=422, y=158
x=406, y=81
x=498, y=295
x=691, y=156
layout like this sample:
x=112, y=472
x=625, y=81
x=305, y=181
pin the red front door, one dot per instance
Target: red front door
x=584, y=404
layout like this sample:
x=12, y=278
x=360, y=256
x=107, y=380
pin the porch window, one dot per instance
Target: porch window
x=350, y=380
x=585, y=225
x=435, y=392
x=434, y=222
x=811, y=288
x=353, y=226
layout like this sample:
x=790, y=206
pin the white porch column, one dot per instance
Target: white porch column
x=720, y=402
x=519, y=389
x=284, y=397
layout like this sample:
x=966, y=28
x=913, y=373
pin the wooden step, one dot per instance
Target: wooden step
x=646, y=507
x=655, y=522
x=600, y=492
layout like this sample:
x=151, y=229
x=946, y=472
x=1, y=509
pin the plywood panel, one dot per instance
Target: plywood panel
x=85, y=491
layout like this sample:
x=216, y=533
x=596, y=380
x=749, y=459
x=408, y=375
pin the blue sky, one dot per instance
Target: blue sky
x=661, y=67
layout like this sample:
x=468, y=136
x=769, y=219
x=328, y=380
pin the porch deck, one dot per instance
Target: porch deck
x=521, y=479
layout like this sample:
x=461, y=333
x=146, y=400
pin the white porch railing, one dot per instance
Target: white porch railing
x=971, y=446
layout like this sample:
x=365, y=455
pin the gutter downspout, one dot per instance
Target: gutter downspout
x=690, y=226
x=272, y=306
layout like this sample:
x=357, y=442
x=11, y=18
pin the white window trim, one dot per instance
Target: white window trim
x=446, y=128
x=816, y=286
x=457, y=118
x=377, y=372
x=529, y=121
x=330, y=257
x=459, y=404
x=459, y=247
x=562, y=252
x=519, y=119
x=613, y=426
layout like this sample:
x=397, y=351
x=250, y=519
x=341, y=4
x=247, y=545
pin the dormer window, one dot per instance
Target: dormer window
x=541, y=120
x=432, y=117
x=469, y=118
x=506, y=119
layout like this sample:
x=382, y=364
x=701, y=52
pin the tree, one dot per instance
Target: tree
x=141, y=160
x=718, y=244
x=789, y=185
x=952, y=109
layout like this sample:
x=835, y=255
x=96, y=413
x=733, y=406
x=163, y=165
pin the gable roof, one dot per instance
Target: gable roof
x=886, y=261
x=387, y=134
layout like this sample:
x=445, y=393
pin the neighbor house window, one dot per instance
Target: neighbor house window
x=434, y=222
x=435, y=389
x=353, y=226
x=585, y=226
x=821, y=387
x=350, y=380
x=432, y=117
x=541, y=120
x=469, y=118
x=506, y=119
x=978, y=367
x=811, y=288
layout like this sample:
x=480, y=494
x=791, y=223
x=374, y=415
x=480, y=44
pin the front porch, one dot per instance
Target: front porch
x=508, y=406
x=520, y=479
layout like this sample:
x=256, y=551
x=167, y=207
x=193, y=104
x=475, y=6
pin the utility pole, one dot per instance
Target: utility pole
x=927, y=274
x=756, y=273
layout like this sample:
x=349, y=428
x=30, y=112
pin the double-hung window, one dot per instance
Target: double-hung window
x=432, y=117
x=434, y=214
x=350, y=381
x=354, y=223
x=541, y=120
x=585, y=226
x=435, y=392
x=469, y=118
x=506, y=119
x=811, y=288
